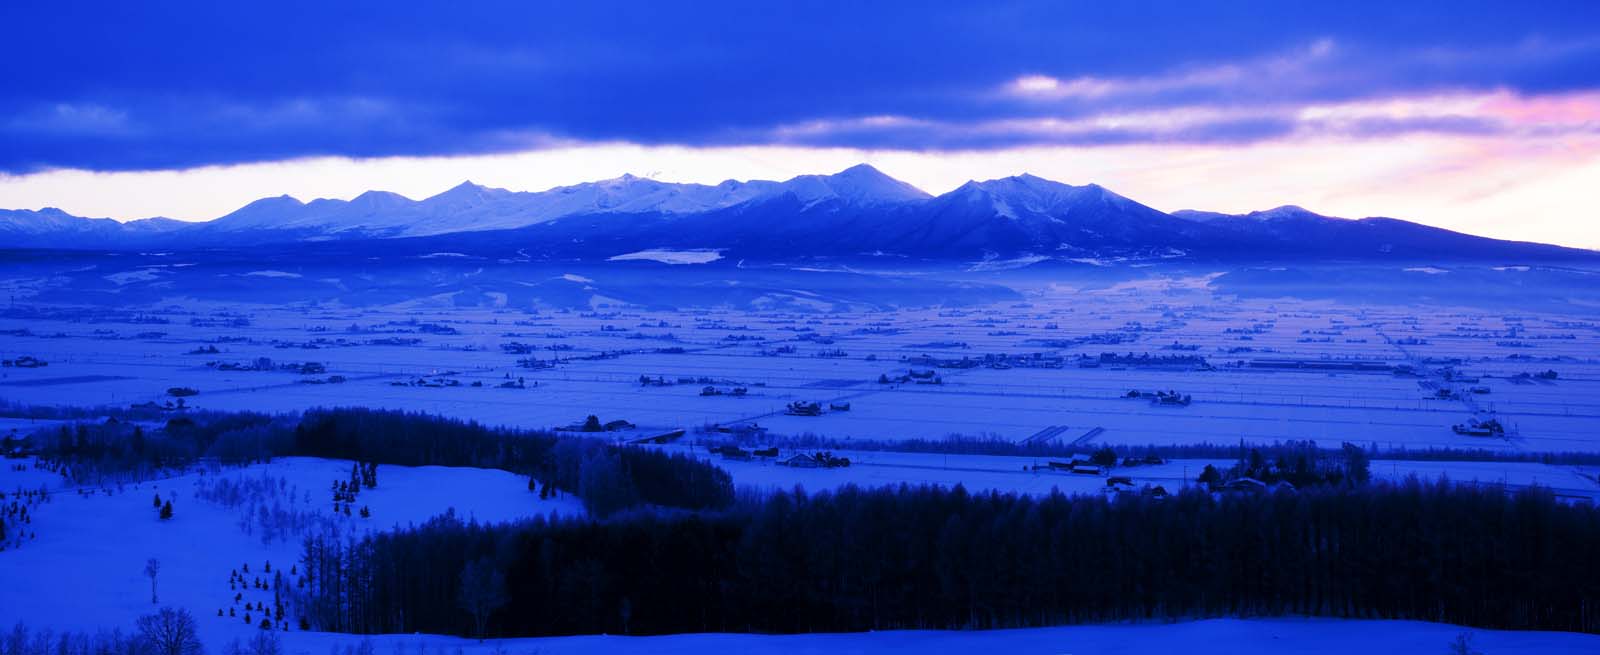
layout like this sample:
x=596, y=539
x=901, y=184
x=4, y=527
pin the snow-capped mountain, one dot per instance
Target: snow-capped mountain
x=470, y=207
x=860, y=184
x=1025, y=213
x=856, y=212
x=51, y=228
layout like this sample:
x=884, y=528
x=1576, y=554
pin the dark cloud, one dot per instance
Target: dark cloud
x=120, y=85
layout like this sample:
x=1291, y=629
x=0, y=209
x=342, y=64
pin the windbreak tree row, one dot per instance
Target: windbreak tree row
x=926, y=557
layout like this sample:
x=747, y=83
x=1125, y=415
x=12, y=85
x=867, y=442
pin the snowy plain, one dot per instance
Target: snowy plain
x=590, y=362
x=436, y=356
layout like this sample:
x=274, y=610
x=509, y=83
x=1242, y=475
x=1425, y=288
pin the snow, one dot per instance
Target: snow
x=1231, y=403
x=1234, y=636
x=106, y=534
x=94, y=546
x=697, y=256
x=860, y=185
x=141, y=275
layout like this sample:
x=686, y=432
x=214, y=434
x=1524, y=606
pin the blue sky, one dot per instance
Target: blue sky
x=145, y=88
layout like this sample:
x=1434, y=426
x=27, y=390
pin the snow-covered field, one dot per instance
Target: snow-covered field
x=1233, y=636
x=82, y=565
x=84, y=568
x=839, y=356
x=1030, y=475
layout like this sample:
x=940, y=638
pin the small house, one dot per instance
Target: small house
x=801, y=460
x=1251, y=485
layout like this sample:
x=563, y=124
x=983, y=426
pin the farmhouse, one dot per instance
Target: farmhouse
x=803, y=408
x=800, y=461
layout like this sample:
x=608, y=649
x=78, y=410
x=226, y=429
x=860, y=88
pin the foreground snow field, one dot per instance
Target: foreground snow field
x=1232, y=636
x=85, y=568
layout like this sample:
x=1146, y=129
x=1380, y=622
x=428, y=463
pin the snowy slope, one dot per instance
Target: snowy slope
x=1027, y=214
x=84, y=569
x=860, y=184
x=1232, y=636
x=51, y=227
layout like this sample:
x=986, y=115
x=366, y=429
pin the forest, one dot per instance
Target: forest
x=931, y=557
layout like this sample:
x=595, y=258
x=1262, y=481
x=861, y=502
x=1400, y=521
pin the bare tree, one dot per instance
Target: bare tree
x=152, y=567
x=483, y=591
x=265, y=642
x=170, y=632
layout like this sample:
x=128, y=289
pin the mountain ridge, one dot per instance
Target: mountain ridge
x=857, y=211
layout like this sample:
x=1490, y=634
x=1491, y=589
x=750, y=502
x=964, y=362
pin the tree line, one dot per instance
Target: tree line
x=959, y=444
x=608, y=477
x=937, y=558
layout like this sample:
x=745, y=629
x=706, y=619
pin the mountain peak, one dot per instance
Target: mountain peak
x=859, y=184
x=862, y=170
x=468, y=191
x=265, y=213
x=621, y=181
x=1285, y=212
x=1033, y=186
x=271, y=203
x=378, y=196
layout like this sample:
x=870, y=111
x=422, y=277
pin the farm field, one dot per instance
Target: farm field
x=1067, y=369
x=1255, y=371
x=1029, y=475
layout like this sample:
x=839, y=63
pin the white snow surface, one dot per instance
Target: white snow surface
x=671, y=256
x=84, y=569
x=1233, y=636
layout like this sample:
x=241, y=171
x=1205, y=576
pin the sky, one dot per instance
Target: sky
x=1477, y=116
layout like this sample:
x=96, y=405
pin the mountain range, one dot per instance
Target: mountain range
x=859, y=212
